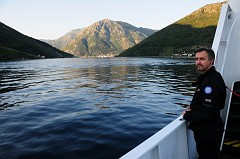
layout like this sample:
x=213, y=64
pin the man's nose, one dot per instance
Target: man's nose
x=198, y=61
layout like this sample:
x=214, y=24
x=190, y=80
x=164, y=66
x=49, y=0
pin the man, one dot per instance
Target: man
x=203, y=114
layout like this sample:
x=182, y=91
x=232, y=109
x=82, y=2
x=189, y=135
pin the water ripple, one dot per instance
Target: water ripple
x=88, y=108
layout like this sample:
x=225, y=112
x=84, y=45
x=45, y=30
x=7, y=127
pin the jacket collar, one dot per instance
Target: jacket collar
x=202, y=76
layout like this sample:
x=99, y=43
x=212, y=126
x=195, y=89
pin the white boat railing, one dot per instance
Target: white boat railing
x=171, y=142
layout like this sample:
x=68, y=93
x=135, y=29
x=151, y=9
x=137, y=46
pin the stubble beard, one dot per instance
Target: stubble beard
x=200, y=68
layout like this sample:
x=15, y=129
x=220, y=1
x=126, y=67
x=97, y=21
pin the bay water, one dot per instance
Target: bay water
x=93, y=108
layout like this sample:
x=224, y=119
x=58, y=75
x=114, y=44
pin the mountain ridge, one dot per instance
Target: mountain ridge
x=183, y=36
x=103, y=38
x=116, y=38
x=15, y=45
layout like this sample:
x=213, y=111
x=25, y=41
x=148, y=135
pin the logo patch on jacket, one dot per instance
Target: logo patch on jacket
x=208, y=90
x=208, y=100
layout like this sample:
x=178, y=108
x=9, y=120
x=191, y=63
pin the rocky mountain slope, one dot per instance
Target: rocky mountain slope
x=103, y=38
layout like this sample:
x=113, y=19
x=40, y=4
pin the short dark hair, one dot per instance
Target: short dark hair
x=210, y=52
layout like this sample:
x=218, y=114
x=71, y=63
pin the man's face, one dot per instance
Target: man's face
x=202, y=61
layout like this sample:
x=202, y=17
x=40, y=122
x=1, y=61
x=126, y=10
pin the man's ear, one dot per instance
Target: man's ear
x=212, y=61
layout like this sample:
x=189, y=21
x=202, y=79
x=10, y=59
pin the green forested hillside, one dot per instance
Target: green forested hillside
x=14, y=45
x=184, y=36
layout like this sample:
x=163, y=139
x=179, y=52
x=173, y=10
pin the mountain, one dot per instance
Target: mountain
x=184, y=36
x=103, y=38
x=14, y=45
x=64, y=40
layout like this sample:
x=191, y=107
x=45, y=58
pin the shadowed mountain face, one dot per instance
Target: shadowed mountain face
x=14, y=45
x=184, y=36
x=103, y=38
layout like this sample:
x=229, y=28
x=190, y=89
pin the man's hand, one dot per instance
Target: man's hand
x=187, y=109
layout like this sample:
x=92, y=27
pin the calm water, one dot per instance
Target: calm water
x=88, y=108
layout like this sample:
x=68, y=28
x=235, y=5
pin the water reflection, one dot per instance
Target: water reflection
x=117, y=81
x=129, y=81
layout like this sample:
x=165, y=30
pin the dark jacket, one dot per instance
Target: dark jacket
x=208, y=100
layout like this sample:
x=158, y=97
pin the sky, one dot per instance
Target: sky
x=51, y=19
